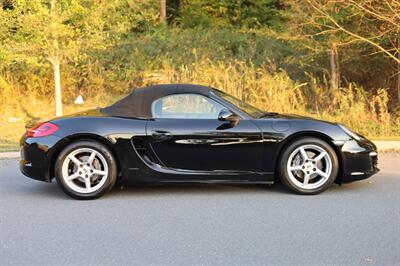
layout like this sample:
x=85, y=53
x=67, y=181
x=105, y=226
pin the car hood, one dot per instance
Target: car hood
x=291, y=117
x=285, y=116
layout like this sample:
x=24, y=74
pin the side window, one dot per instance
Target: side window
x=189, y=106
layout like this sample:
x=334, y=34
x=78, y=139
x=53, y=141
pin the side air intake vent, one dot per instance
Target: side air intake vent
x=142, y=150
x=138, y=144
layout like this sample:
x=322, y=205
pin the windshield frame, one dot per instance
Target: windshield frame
x=242, y=106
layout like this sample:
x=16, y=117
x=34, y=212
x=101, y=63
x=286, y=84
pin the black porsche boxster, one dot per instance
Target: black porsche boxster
x=191, y=133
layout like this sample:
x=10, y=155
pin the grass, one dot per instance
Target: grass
x=13, y=126
x=367, y=113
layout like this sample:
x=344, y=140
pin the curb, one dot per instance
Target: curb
x=9, y=155
x=387, y=145
x=382, y=145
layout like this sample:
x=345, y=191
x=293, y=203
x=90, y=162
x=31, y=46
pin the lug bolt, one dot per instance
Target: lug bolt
x=80, y=172
x=86, y=176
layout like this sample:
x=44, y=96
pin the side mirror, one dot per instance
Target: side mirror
x=226, y=115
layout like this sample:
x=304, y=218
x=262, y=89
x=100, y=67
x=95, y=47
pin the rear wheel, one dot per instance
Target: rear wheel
x=86, y=170
x=308, y=166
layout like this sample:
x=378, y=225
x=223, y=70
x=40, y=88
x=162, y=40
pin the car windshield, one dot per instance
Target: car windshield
x=243, y=106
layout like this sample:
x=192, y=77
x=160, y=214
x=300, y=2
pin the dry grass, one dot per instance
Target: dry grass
x=13, y=118
x=352, y=106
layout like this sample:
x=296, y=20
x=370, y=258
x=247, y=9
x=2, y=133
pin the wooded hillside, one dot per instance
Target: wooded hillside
x=337, y=60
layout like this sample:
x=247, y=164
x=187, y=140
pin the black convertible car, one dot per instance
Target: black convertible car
x=191, y=133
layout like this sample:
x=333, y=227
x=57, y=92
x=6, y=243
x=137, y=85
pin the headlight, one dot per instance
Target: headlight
x=350, y=133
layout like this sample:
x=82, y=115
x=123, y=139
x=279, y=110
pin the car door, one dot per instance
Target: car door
x=186, y=134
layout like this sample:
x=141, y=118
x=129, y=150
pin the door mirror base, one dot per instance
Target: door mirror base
x=227, y=115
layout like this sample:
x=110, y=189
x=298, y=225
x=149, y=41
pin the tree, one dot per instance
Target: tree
x=227, y=13
x=385, y=16
x=163, y=10
x=54, y=59
x=37, y=31
x=378, y=24
x=317, y=45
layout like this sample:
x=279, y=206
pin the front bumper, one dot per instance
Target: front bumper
x=35, y=157
x=359, y=160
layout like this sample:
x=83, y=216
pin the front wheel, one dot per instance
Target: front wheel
x=86, y=170
x=308, y=166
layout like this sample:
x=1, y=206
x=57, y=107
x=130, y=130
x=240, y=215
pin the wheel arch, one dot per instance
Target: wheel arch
x=313, y=134
x=80, y=137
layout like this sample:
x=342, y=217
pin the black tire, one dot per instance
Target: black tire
x=284, y=172
x=111, y=177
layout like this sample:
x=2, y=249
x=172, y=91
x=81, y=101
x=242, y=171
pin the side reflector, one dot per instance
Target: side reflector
x=41, y=130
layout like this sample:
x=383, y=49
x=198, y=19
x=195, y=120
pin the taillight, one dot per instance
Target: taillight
x=41, y=130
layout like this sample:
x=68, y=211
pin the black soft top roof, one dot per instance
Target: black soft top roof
x=138, y=102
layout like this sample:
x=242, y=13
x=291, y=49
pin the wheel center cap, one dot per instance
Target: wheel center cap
x=309, y=166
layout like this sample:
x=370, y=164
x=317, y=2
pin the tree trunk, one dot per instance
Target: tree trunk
x=335, y=71
x=57, y=87
x=163, y=13
x=398, y=71
x=55, y=61
x=53, y=6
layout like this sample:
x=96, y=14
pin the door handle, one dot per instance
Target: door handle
x=161, y=135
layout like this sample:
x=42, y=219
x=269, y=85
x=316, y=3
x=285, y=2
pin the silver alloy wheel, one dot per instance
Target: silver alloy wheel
x=85, y=170
x=309, y=166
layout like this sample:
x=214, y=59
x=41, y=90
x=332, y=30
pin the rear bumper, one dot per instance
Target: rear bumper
x=34, y=172
x=35, y=157
x=360, y=160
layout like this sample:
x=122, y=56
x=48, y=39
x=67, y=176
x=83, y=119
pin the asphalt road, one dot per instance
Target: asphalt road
x=357, y=223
